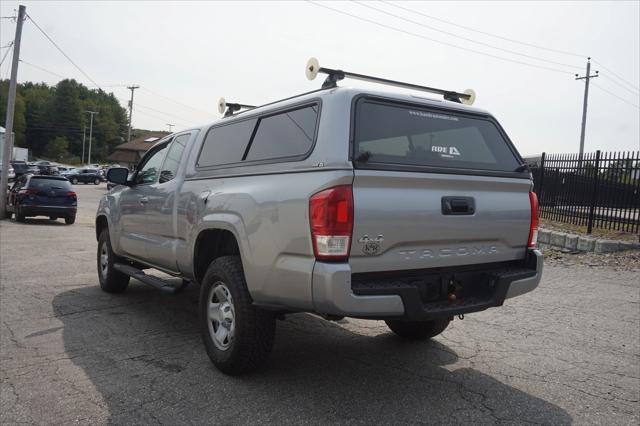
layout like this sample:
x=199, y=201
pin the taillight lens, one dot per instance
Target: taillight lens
x=331, y=220
x=28, y=191
x=533, y=228
x=72, y=194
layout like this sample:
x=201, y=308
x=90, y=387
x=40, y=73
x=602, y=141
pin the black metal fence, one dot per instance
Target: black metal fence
x=601, y=189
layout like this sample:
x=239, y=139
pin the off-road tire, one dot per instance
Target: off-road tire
x=74, y=181
x=418, y=330
x=254, y=327
x=70, y=220
x=111, y=281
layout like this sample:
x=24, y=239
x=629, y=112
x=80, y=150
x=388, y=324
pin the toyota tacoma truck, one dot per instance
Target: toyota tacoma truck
x=340, y=202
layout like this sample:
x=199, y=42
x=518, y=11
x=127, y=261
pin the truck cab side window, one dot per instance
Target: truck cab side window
x=149, y=171
x=172, y=161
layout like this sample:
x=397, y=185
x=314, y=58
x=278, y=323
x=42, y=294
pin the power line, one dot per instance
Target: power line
x=513, y=52
x=636, y=94
x=6, y=46
x=439, y=41
x=484, y=32
x=145, y=107
x=6, y=72
x=616, y=96
x=616, y=75
x=63, y=53
x=41, y=69
x=6, y=53
x=174, y=101
x=159, y=118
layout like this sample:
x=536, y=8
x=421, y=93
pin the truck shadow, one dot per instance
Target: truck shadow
x=142, y=353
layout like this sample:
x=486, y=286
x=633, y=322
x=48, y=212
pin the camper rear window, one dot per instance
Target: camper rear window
x=397, y=134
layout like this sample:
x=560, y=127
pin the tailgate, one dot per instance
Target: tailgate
x=400, y=223
x=434, y=187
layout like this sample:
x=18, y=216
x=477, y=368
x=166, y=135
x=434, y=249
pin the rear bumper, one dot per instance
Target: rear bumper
x=402, y=294
x=59, y=211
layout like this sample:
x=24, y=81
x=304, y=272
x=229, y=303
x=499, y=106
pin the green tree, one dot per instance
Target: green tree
x=44, y=113
x=57, y=149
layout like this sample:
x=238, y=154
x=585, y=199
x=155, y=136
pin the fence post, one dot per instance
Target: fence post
x=541, y=180
x=594, y=195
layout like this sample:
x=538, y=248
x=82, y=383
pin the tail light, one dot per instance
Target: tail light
x=28, y=191
x=72, y=194
x=533, y=228
x=331, y=220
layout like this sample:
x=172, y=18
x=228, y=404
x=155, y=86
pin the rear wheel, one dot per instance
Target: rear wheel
x=237, y=335
x=19, y=216
x=70, y=220
x=418, y=330
x=74, y=181
x=111, y=280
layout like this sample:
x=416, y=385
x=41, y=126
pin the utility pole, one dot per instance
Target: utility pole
x=586, y=79
x=84, y=136
x=132, y=88
x=90, y=135
x=170, y=127
x=7, y=140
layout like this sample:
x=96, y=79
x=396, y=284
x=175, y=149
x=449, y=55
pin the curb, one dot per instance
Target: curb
x=573, y=242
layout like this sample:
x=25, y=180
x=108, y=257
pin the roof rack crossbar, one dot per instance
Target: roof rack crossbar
x=228, y=108
x=334, y=75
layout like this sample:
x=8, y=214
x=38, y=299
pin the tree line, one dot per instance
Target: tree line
x=50, y=120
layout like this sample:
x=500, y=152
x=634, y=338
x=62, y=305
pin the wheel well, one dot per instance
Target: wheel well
x=211, y=244
x=101, y=223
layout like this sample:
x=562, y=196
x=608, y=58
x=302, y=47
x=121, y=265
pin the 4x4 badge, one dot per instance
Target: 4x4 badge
x=371, y=246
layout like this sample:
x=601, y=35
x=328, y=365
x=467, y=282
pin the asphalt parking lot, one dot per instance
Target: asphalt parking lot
x=69, y=353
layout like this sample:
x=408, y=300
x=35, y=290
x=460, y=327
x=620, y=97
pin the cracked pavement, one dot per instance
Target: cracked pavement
x=567, y=353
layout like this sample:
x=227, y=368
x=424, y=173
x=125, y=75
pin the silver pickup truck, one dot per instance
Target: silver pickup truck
x=339, y=202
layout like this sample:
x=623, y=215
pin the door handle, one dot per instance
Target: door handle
x=144, y=200
x=458, y=205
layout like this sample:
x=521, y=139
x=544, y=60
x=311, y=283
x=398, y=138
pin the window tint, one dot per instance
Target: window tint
x=40, y=183
x=284, y=135
x=149, y=172
x=226, y=144
x=172, y=161
x=410, y=136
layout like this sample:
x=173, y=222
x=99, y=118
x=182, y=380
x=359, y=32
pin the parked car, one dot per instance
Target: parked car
x=50, y=196
x=47, y=170
x=85, y=176
x=341, y=202
x=11, y=174
x=20, y=168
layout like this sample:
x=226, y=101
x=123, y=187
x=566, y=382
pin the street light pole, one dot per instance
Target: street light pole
x=90, y=134
x=84, y=136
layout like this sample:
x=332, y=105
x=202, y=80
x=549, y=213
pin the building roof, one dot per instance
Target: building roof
x=131, y=152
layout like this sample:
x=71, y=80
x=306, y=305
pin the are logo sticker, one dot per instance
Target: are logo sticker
x=446, y=151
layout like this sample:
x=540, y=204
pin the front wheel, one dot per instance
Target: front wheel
x=418, y=330
x=111, y=280
x=96, y=182
x=74, y=181
x=237, y=335
x=70, y=220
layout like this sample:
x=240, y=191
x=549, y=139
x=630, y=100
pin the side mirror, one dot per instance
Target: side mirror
x=118, y=175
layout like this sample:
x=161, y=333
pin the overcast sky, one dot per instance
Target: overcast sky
x=255, y=52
